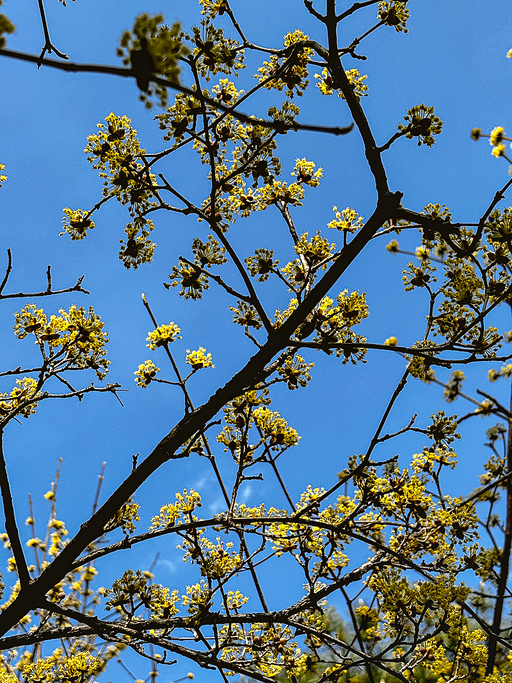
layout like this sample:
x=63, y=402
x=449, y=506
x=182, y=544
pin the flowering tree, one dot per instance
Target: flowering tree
x=421, y=574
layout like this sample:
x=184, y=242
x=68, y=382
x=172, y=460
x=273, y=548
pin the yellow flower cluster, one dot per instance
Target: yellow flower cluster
x=145, y=373
x=22, y=400
x=198, y=598
x=433, y=457
x=497, y=135
x=213, y=7
x=496, y=140
x=454, y=385
x=295, y=372
x=164, y=47
x=505, y=371
x=276, y=430
x=394, y=14
x=138, y=248
x=419, y=366
x=76, y=223
x=305, y=172
x=314, y=250
x=357, y=82
x=199, y=359
x=164, y=334
x=115, y=150
x=59, y=667
x=250, y=410
x=214, y=53
x=6, y=26
x=125, y=517
x=391, y=341
x=326, y=84
x=190, y=278
x=75, y=338
x=422, y=124
x=346, y=220
x=226, y=92
x=134, y=591
x=216, y=559
x=293, y=74
x=185, y=504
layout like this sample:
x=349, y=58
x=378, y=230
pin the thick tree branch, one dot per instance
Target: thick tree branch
x=10, y=520
x=251, y=374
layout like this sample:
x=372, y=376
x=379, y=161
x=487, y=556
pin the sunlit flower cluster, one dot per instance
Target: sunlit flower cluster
x=145, y=373
x=326, y=84
x=346, y=220
x=163, y=335
x=75, y=338
x=199, y=359
x=293, y=74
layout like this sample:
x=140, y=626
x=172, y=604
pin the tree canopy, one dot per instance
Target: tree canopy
x=270, y=276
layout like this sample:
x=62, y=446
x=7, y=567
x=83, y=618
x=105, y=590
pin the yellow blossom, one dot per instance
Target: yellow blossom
x=164, y=334
x=199, y=359
x=347, y=220
x=499, y=151
x=497, y=136
x=326, y=84
x=145, y=373
x=305, y=172
x=76, y=223
x=422, y=253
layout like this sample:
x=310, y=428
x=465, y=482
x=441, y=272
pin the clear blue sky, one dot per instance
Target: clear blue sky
x=453, y=57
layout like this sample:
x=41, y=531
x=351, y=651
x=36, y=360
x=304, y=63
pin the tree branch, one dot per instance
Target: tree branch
x=127, y=73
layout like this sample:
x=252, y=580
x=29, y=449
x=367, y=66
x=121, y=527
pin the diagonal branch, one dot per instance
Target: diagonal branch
x=10, y=521
x=190, y=424
x=341, y=81
x=127, y=73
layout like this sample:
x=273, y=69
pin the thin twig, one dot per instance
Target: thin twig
x=48, y=45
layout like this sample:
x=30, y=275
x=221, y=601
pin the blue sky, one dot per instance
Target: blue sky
x=453, y=57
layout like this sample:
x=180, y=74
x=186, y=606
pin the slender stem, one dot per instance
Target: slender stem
x=375, y=440
x=505, y=560
x=356, y=6
x=23, y=295
x=357, y=632
x=48, y=45
x=500, y=194
x=211, y=457
x=7, y=272
x=101, y=477
x=213, y=222
x=45, y=24
x=272, y=461
x=188, y=403
x=341, y=81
